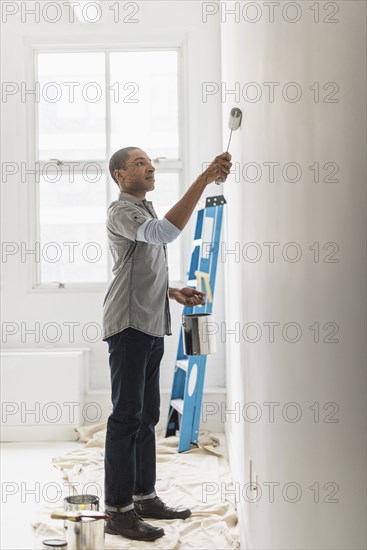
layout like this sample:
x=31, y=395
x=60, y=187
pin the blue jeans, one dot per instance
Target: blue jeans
x=130, y=453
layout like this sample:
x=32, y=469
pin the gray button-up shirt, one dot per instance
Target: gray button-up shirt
x=138, y=295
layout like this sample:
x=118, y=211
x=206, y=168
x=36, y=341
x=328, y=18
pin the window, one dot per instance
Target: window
x=90, y=105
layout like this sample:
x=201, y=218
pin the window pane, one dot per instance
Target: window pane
x=144, y=101
x=71, y=110
x=73, y=230
x=143, y=96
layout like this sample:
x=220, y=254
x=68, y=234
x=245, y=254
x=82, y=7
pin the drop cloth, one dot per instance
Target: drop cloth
x=182, y=480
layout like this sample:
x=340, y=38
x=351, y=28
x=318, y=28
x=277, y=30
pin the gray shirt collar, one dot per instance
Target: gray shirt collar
x=131, y=198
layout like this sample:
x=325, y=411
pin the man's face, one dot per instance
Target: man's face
x=138, y=174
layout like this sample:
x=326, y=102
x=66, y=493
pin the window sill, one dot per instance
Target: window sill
x=67, y=288
x=81, y=287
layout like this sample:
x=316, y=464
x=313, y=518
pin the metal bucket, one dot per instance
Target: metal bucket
x=85, y=534
x=76, y=533
x=81, y=502
x=198, y=338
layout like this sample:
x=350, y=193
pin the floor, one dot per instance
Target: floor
x=28, y=481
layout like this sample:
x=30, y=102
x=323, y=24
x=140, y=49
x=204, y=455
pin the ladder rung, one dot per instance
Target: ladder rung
x=178, y=405
x=183, y=364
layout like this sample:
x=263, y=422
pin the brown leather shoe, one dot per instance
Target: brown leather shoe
x=157, y=509
x=130, y=525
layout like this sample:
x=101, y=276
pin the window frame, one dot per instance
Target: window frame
x=35, y=285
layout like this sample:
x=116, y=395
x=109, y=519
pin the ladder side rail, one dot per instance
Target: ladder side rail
x=189, y=402
x=198, y=400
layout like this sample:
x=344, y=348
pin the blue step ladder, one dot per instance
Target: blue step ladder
x=188, y=380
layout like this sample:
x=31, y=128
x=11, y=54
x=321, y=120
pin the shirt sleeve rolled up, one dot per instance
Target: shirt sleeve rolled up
x=157, y=231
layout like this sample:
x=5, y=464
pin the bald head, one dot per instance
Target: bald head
x=118, y=160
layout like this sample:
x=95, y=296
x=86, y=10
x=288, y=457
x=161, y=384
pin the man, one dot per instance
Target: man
x=136, y=317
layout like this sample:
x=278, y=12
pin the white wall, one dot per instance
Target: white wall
x=305, y=372
x=159, y=22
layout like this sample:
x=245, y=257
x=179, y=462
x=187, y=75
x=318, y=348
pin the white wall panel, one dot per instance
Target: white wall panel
x=305, y=372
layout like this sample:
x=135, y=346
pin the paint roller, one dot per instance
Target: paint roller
x=235, y=118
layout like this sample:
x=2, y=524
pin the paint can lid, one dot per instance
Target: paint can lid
x=55, y=544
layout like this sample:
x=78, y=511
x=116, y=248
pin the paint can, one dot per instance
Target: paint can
x=86, y=534
x=85, y=529
x=81, y=502
x=54, y=544
x=198, y=335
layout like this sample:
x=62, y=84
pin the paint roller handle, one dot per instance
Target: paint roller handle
x=219, y=181
x=78, y=516
x=219, y=168
x=222, y=179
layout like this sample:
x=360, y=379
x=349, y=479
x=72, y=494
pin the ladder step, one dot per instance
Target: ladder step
x=183, y=364
x=177, y=404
